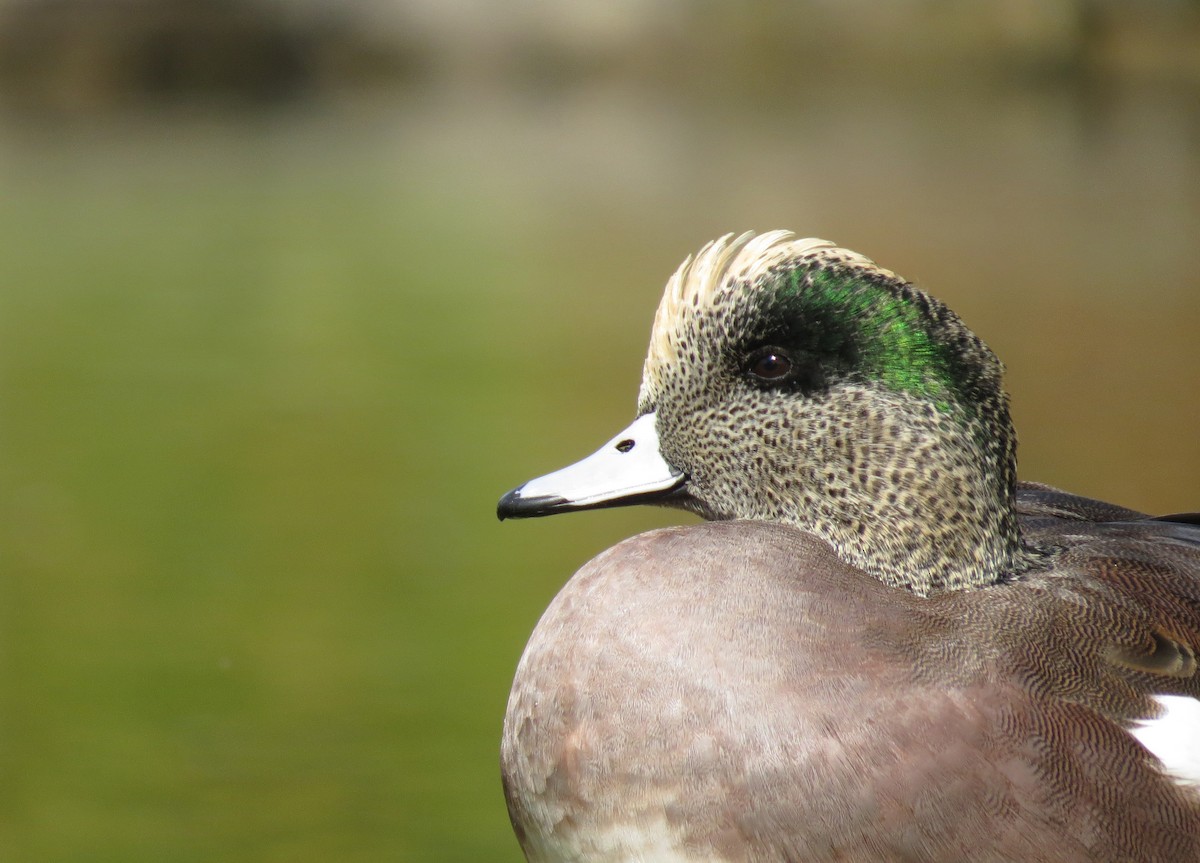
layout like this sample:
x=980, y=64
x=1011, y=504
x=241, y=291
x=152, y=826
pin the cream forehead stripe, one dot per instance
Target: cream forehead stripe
x=728, y=259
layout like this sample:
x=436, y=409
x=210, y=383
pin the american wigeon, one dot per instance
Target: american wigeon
x=881, y=646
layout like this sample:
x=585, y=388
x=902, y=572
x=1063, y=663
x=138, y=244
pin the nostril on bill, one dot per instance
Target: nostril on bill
x=625, y=445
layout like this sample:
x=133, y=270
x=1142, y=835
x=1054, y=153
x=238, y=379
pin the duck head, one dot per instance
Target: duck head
x=793, y=381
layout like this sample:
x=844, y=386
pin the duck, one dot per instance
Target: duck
x=877, y=644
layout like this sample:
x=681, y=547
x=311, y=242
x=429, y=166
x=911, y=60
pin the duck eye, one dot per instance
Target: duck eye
x=769, y=364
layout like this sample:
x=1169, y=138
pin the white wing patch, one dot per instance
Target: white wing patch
x=1174, y=737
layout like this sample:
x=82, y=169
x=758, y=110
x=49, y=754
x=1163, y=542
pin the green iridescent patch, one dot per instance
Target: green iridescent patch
x=893, y=338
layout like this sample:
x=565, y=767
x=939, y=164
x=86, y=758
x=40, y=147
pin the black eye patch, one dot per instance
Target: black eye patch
x=769, y=364
x=792, y=345
x=773, y=367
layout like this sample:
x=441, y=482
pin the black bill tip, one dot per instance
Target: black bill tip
x=514, y=505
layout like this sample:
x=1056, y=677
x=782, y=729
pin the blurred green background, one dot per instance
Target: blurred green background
x=290, y=294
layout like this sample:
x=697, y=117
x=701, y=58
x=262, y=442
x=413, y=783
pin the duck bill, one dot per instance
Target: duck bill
x=628, y=469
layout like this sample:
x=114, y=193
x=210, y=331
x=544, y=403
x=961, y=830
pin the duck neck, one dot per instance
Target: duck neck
x=933, y=547
x=927, y=509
